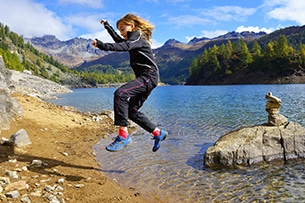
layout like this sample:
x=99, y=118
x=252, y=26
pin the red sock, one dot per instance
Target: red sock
x=123, y=133
x=156, y=132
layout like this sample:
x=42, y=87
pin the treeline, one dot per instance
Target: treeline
x=104, y=74
x=20, y=56
x=229, y=59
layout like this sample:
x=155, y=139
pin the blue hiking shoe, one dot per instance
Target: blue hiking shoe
x=118, y=144
x=158, y=140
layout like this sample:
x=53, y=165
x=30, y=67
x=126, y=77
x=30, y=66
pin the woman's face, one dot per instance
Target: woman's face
x=123, y=28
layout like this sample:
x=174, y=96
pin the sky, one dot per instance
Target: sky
x=181, y=20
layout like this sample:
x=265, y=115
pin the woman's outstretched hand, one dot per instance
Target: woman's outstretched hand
x=94, y=43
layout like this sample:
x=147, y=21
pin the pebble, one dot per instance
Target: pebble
x=36, y=163
x=13, y=189
x=65, y=154
x=61, y=181
x=13, y=194
x=25, y=199
x=79, y=185
x=12, y=174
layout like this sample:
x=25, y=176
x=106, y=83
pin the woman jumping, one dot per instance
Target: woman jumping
x=129, y=98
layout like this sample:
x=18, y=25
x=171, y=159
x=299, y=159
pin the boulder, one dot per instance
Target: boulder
x=20, y=139
x=276, y=140
x=254, y=144
x=9, y=107
x=5, y=74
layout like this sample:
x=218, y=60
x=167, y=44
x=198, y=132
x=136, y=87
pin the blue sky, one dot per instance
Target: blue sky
x=173, y=19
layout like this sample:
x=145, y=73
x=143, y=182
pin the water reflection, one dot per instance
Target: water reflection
x=195, y=118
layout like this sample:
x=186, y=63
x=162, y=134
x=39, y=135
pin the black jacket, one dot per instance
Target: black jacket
x=141, y=57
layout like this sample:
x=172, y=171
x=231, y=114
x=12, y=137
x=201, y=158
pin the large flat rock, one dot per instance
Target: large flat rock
x=250, y=145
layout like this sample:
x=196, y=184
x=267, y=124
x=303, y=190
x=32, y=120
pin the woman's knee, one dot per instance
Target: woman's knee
x=132, y=114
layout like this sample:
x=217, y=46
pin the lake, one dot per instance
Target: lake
x=195, y=117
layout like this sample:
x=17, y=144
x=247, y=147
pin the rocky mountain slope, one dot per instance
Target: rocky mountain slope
x=70, y=53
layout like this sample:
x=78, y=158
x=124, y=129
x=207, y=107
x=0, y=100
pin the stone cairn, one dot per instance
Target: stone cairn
x=273, y=106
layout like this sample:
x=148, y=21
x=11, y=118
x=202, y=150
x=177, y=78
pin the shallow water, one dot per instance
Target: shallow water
x=196, y=116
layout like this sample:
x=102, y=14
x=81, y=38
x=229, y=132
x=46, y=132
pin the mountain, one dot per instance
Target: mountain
x=173, y=58
x=294, y=34
x=76, y=51
x=195, y=40
x=247, y=35
x=70, y=53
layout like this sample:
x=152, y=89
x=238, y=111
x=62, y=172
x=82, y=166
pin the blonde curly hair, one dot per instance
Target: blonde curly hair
x=141, y=25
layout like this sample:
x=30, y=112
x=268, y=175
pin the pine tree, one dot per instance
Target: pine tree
x=302, y=55
x=256, y=49
x=281, y=47
x=269, y=50
x=214, y=64
x=242, y=55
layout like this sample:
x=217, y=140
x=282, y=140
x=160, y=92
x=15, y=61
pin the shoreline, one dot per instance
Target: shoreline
x=63, y=139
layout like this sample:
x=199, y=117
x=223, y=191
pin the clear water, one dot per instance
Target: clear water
x=196, y=116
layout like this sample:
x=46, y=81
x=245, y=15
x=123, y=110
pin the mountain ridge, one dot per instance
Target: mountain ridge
x=173, y=57
x=83, y=52
x=70, y=53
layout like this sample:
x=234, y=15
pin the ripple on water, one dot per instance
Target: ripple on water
x=177, y=179
x=195, y=118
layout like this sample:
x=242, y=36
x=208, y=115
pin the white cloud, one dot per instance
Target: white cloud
x=293, y=10
x=254, y=29
x=101, y=35
x=213, y=33
x=228, y=13
x=30, y=19
x=155, y=44
x=89, y=22
x=188, y=20
x=208, y=34
x=212, y=17
x=89, y=3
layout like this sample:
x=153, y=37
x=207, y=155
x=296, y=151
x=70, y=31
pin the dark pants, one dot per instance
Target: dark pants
x=129, y=98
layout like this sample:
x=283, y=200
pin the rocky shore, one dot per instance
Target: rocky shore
x=26, y=83
x=59, y=165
